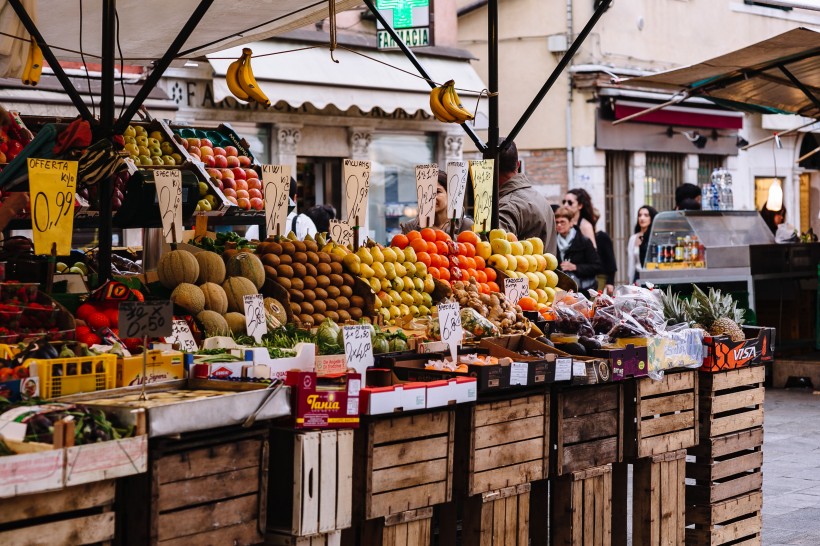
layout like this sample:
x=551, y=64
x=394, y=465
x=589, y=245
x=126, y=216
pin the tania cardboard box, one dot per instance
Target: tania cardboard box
x=725, y=354
x=324, y=402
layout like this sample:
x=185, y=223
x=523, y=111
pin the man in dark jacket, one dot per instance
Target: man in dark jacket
x=521, y=209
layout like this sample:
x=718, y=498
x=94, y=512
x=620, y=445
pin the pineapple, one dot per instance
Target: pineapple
x=718, y=313
x=675, y=308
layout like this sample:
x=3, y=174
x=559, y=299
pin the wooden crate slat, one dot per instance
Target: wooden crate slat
x=79, y=497
x=327, y=490
x=212, y=460
x=730, y=443
x=667, y=442
x=575, y=402
x=498, y=478
x=734, y=401
x=748, y=528
x=658, y=516
x=508, y=410
x=344, y=479
x=708, y=494
x=410, y=427
x=710, y=515
x=666, y=404
x=589, y=454
x=501, y=433
x=305, y=490
x=668, y=424
x=509, y=454
x=393, y=455
x=712, y=425
x=243, y=534
x=400, y=500
x=585, y=428
x=714, y=382
x=75, y=531
x=215, y=515
x=581, y=506
x=211, y=488
x=719, y=470
x=409, y=475
x=671, y=382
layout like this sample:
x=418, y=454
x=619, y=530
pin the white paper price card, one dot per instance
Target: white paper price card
x=276, y=186
x=518, y=373
x=341, y=232
x=181, y=333
x=482, y=174
x=52, y=190
x=456, y=186
x=515, y=289
x=563, y=369
x=579, y=368
x=355, y=186
x=426, y=188
x=149, y=318
x=169, y=198
x=255, y=322
x=359, y=347
x=449, y=321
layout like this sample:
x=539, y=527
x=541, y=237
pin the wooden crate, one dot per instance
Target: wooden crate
x=410, y=528
x=587, y=427
x=311, y=483
x=83, y=514
x=498, y=518
x=725, y=467
x=737, y=521
x=508, y=444
x=658, y=514
x=205, y=489
x=274, y=538
x=731, y=401
x=581, y=508
x=660, y=416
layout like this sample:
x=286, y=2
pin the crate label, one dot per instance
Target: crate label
x=140, y=319
x=353, y=387
x=481, y=172
x=518, y=373
x=106, y=460
x=579, y=368
x=330, y=364
x=355, y=187
x=353, y=406
x=276, y=191
x=358, y=347
x=341, y=232
x=563, y=369
x=31, y=472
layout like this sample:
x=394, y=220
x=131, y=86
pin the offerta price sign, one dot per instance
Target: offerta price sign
x=52, y=186
x=456, y=187
x=340, y=232
x=482, y=174
x=355, y=186
x=276, y=186
x=426, y=182
x=151, y=319
x=169, y=198
x=449, y=323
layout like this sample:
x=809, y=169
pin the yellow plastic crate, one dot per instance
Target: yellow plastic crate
x=64, y=376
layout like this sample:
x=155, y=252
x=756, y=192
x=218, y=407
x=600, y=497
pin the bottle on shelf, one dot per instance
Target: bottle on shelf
x=727, y=199
x=679, y=250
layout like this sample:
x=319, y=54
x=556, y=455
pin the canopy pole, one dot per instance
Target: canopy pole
x=797, y=83
x=562, y=64
x=52, y=61
x=776, y=134
x=492, y=150
x=162, y=64
x=412, y=58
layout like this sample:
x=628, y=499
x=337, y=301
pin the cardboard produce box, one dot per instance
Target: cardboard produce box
x=725, y=354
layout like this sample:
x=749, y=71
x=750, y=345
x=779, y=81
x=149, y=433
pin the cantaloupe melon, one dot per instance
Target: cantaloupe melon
x=189, y=297
x=275, y=309
x=211, y=267
x=236, y=323
x=245, y=264
x=177, y=267
x=213, y=324
x=215, y=298
x=235, y=290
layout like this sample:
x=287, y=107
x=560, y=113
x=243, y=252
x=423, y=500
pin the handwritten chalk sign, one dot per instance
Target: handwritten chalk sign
x=181, y=333
x=358, y=348
x=169, y=198
x=340, y=232
x=141, y=319
x=276, y=190
x=516, y=288
x=355, y=186
x=52, y=188
x=426, y=188
x=255, y=323
x=449, y=320
x=456, y=187
x=481, y=173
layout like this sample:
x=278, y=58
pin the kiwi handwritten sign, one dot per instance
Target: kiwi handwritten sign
x=169, y=197
x=255, y=322
x=355, y=187
x=141, y=319
x=426, y=188
x=516, y=288
x=276, y=191
x=358, y=347
x=449, y=321
x=481, y=173
x=340, y=232
x=456, y=186
x=52, y=187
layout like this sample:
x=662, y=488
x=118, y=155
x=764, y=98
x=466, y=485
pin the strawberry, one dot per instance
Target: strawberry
x=85, y=310
x=98, y=320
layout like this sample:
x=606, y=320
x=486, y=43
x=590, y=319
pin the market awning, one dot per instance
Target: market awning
x=310, y=76
x=766, y=76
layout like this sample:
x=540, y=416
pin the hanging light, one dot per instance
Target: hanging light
x=775, y=201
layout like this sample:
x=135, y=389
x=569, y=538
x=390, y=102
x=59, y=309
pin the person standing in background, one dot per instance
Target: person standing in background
x=639, y=242
x=687, y=197
x=578, y=201
x=442, y=218
x=606, y=251
x=576, y=255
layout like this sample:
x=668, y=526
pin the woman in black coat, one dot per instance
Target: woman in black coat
x=576, y=255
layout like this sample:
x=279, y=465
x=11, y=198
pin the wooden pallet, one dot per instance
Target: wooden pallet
x=410, y=528
x=731, y=401
x=587, y=427
x=737, y=521
x=508, y=444
x=725, y=467
x=83, y=514
x=498, y=518
x=660, y=416
x=581, y=508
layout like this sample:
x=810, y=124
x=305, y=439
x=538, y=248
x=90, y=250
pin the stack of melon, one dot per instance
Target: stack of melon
x=212, y=289
x=316, y=283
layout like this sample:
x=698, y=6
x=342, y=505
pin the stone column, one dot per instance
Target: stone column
x=285, y=145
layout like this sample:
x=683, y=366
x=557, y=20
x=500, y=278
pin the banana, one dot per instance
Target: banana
x=248, y=83
x=453, y=105
x=231, y=78
x=25, y=78
x=36, y=63
x=438, y=109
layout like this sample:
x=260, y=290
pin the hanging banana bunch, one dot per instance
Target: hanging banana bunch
x=34, y=64
x=241, y=81
x=446, y=105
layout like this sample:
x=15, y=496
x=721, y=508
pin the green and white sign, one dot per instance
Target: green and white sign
x=410, y=19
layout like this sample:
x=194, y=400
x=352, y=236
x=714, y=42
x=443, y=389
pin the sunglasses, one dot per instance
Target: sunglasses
x=567, y=202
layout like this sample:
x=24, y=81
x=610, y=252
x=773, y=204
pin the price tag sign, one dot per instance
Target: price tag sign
x=181, y=333
x=426, y=182
x=341, y=232
x=579, y=368
x=515, y=289
x=449, y=321
x=255, y=322
x=141, y=319
x=456, y=186
x=518, y=373
x=276, y=186
x=355, y=185
x=52, y=187
x=563, y=369
x=482, y=174
x=169, y=197
x=358, y=348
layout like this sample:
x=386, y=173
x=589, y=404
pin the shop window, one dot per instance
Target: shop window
x=762, y=190
x=706, y=164
x=664, y=173
x=619, y=223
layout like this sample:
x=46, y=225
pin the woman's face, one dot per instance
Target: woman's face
x=441, y=198
x=562, y=226
x=571, y=202
x=644, y=219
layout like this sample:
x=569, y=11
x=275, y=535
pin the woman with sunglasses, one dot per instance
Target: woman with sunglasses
x=579, y=203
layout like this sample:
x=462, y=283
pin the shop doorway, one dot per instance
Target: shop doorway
x=618, y=216
x=318, y=182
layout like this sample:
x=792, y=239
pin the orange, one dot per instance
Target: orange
x=470, y=249
x=480, y=276
x=413, y=235
x=491, y=275
x=442, y=235
x=432, y=248
x=441, y=246
x=434, y=272
x=471, y=262
x=472, y=273
x=547, y=313
x=444, y=273
x=401, y=241
x=479, y=262
x=423, y=257
x=493, y=287
x=419, y=245
x=527, y=304
x=428, y=234
x=468, y=237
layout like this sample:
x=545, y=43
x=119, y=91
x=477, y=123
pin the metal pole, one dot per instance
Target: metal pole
x=107, y=108
x=797, y=83
x=412, y=58
x=492, y=63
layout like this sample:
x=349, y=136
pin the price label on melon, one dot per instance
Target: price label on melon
x=276, y=191
x=516, y=288
x=426, y=188
x=340, y=232
x=52, y=187
x=482, y=174
x=169, y=197
x=358, y=347
x=355, y=186
x=449, y=322
x=255, y=322
x=181, y=333
x=456, y=186
x=141, y=319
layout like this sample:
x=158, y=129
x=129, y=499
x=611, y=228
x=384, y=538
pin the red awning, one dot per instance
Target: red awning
x=680, y=116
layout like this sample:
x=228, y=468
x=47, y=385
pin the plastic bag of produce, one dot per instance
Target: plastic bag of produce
x=678, y=347
x=571, y=318
x=630, y=297
x=476, y=325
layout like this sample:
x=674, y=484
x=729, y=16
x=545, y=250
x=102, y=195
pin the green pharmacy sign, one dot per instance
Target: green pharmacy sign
x=410, y=19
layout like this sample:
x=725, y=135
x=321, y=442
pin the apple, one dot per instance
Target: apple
x=206, y=150
x=233, y=161
x=177, y=157
x=209, y=161
x=194, y=151
x=229, y=192
x=229, y=183
x=244, y=161
x=132, y=149
x=231, y=150
x=250, y=173
x=3, y=158
x=243, y=203
x=129, y=131
x=253, y=192
x=254, y=184
x=217, y=183
x=143, y=150
x=239, y=173
x=157, y=135
x=257, y=203
x=241, y=185
x=214, y=173
x=142, y=140
x=232, y=200
x=168, y=160
x=219, y=151
x=226, y=173
x=194, y=142
x=206, y=142
x=153, y=142
x=221, y=161
x=242, y=194
x=157, y=160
